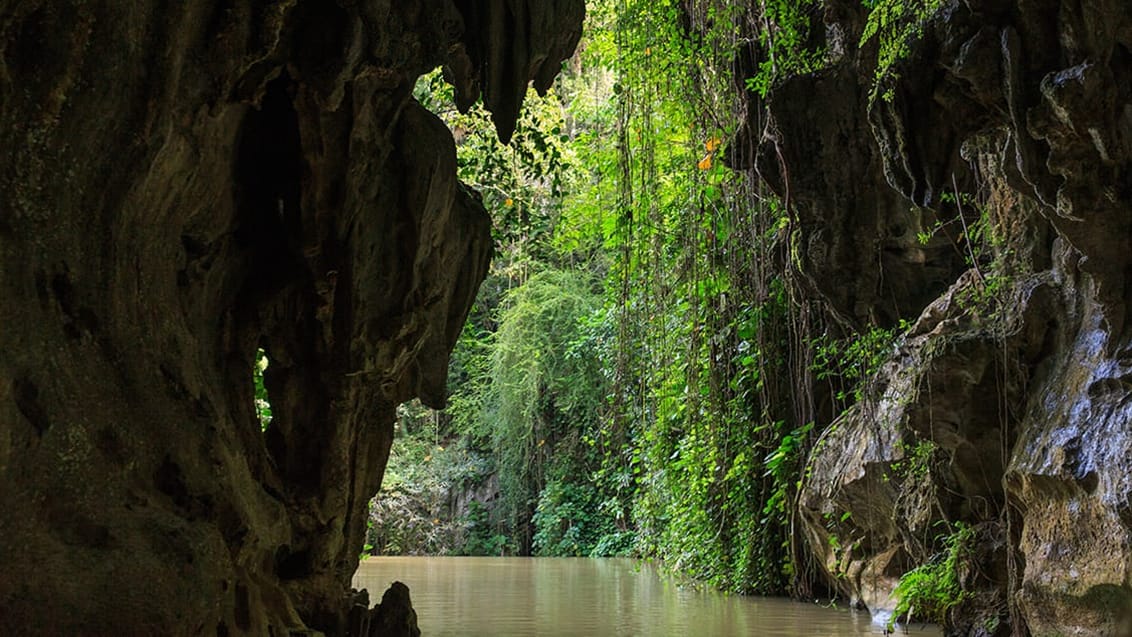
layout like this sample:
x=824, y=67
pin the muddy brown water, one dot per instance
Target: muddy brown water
x=551, y=597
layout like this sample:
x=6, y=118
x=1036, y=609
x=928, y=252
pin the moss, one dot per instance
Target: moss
x=930, y=590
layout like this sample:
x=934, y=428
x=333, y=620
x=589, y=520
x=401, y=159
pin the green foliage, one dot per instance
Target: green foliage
x=483, y=535
x=615, y=544
x=528, y=381
x=262, y=402
x=546, y=386
x=787, y=38
x=585, y=220
x=412, y=514
x=521, y=183
x=928, y=591
x=896, y=25
x=721, y=471
x=783, y=466
x=567, y=520
x=469, y=376
x=700, y=375
x=851, y=361
x=917, y=461
x=636, y=364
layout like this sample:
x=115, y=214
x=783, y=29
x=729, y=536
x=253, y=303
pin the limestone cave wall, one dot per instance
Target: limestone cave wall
x=183, y=184
x=1006, y=406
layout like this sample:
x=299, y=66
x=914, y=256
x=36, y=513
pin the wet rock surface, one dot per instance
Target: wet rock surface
x=1005, y=407
x=183, y=185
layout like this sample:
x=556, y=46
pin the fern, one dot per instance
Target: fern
x=897, y=25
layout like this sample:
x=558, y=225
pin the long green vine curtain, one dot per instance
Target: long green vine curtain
x=705, y=322
x=637, y=365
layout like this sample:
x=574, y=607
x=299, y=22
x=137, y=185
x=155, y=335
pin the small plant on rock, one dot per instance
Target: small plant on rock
x=930, y=590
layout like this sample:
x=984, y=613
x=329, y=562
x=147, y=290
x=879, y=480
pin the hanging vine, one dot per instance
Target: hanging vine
x=705, y=349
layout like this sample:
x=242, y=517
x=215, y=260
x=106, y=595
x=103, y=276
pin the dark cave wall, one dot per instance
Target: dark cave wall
x=182, y=185
x=1023, y=392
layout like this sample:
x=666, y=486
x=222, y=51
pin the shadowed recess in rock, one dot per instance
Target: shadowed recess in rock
x=269, y=173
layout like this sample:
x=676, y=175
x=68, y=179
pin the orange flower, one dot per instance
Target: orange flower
x=712, y=143
x=705, y=163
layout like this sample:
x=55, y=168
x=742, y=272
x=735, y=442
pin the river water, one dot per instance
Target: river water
x=577, y=597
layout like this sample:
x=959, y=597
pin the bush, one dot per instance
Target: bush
x=567, y=522
x=481, y=535
x=615, y=544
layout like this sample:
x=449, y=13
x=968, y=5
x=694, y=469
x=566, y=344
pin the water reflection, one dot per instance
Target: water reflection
x=519, y=597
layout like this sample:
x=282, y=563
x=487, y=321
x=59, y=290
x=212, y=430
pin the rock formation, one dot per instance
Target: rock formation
x=1006, y=407
x=184, y=184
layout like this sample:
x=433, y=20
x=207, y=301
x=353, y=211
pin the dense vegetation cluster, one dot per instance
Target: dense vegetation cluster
x=638, y=374
x=614, y=391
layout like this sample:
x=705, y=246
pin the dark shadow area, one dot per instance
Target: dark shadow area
x=269, y=171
